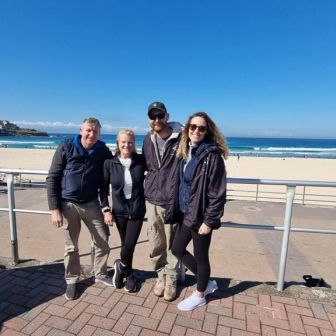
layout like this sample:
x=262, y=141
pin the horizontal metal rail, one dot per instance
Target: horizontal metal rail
x=286, y=228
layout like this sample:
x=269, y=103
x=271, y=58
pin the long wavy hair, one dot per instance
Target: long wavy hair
x=128, y=132
x=212, y=134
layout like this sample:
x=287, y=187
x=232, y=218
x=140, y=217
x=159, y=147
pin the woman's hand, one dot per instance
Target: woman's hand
x=204, y=229
x=108, y=218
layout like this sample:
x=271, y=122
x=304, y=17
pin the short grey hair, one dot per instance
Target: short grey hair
x=93, y=121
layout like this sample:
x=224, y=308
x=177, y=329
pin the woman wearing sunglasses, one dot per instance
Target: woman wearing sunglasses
x=199, y=203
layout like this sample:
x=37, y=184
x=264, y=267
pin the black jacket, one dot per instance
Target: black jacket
x=76, y=174
x=134, y=208
x=160, y=171
x=207, y=194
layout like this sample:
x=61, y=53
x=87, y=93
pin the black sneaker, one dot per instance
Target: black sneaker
x=118, y=276
x=106, y=280
x=71, y=292
x=131, y=283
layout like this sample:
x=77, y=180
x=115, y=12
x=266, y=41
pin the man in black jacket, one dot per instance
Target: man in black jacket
x=159, y=149
x=74, y=179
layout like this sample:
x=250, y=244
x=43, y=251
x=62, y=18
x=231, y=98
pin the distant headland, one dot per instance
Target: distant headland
x=9, y=129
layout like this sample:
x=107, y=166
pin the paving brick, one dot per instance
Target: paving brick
x=35, y=323
x=158, y=310
x=147, y=332
x=56, y=310
x=58, y=322
x=79, y=323
x=97, y=310
x=281, y=332
x=316, y=322
x=312, y=331
x=87, y=331
x=265, y=300
x=325, y=332
x=252, y=321
x=15, y=323
x=94, y=299
x=167, y=322
x=138, y=310
x=231, y=322
x=102, y=322
x=76, y=310
x=227, y=302
x=41, y=331
x=107, y=291
x=279, y=310
x=239, y=310
x=123, y=323
x=9, y=332
x=285, y=300
x=245, y=299
x=277, y=323
x=133, y=299
x=192, y=332
x=220, y=310
x=145, y=289
x=299, y=310
x=151, y=300
x=210, y=323
x=329, y=308
x=199, y=313
x=118, y=310
x=94, y=290
x=318, y=311
x=223, y=331
x=112, y=300
x=295, y=323
x=133, y=331
x=332, y=319
x=303, y=303
x=104, y=332
x=239, y=332
x=268, y=331
x=145, y=322
x=178, y=331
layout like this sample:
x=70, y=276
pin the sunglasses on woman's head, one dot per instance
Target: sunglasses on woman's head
x=154, y=116
x=200, y=128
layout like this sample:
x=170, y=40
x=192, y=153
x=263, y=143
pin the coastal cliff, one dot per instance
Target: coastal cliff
x=9, y=129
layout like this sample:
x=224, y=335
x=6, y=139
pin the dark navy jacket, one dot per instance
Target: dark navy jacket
x=76, y=174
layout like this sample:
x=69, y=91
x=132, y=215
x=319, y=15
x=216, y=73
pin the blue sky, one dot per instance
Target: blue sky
x=259, y=68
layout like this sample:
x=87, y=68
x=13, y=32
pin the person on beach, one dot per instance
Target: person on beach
x=73, y=182
x=198, y=201
x=159, y=149
x=125, y=172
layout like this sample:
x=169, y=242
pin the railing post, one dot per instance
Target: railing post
x=257, y=190
x=285, y=237
x=12, y=218
x=303, y=195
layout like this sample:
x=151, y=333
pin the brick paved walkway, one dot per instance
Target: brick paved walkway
x=32, y=303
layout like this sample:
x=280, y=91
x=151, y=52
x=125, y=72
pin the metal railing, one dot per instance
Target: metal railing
x=286, y=228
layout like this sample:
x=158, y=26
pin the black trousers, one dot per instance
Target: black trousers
x=129, y=231
x=198, y=263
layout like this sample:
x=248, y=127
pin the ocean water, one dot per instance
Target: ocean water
x=266, y=147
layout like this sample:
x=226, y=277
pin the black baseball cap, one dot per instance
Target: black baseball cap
x=157, y=106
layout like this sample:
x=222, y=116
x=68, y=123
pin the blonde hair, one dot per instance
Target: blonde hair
x=128, y=132
x=212, y=133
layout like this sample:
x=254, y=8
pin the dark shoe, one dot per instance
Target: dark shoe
x=118, y=276
x=71, y=292
x=131, y=283
x=106, y=280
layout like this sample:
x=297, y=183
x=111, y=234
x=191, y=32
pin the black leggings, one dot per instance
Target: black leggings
x=199, y=264
x=129, y=231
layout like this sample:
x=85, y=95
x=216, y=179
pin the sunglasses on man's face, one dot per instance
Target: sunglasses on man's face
x=154, y=116
x=200, y=128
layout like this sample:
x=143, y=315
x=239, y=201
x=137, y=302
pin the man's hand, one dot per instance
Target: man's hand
x=204, y=229
x=108, y=218
x=56, y=218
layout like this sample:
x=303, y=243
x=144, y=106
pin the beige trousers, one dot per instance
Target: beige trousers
x=161, y=237
x=92, y=216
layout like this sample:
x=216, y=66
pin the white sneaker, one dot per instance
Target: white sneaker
x=211, y=287
x=191, y=302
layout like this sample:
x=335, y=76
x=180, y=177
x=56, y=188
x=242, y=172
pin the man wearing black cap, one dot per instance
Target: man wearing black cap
x=159, y=149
